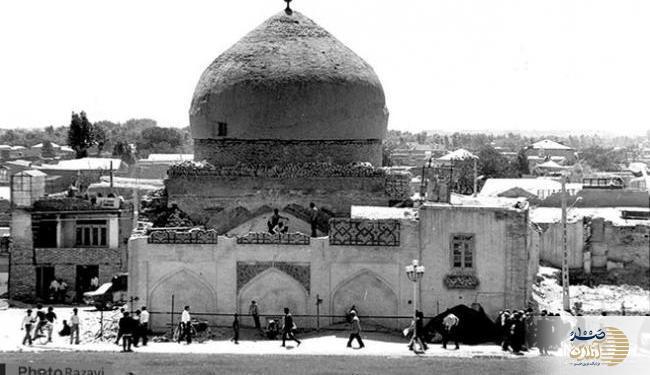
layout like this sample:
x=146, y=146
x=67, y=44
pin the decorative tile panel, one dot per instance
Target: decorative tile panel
x=299, y=271
x=266, y=238
x=363, y=232
x=461, y=281
x=398, y=186
x=184, y=237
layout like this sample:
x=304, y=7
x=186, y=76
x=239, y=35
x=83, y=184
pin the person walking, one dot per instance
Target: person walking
x=74, y=327
x=126, y=325
x=135, y=331
x=450, y=327
x=313, y=217
x=41, y=321
x=144, y=325
x=417, y=328
x=254, y=312
x=355, y=330
x=27, y=324
x=50, y=316
x=186, y=326
x=119, y=331
x=235, y=329
x=288, y=327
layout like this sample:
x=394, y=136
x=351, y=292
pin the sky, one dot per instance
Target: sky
x=446, y=65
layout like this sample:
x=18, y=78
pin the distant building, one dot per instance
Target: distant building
x=540, y=188
x=87, y=170
x=415, y=154
x=64, y=238
x=547, y=149
x=155, y=166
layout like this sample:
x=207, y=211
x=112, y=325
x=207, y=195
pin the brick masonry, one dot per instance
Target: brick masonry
x=270, y=152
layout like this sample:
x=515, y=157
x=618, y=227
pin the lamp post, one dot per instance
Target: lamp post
x=414, y=272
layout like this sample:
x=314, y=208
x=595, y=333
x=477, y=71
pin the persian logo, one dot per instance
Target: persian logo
x=608, y=346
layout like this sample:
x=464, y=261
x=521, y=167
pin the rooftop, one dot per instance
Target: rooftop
x=547, y=215
x=84, y=164
x=383, y=213
x=547, y=144
x=495, y=186
x=169, y=157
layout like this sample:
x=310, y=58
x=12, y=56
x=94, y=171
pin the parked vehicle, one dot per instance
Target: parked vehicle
x=108, y=295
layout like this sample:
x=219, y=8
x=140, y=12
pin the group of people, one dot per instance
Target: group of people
x=288, y=326
x=522, y=330
x=132, y=328
x=277, y=224
x=58, y=290
x=41, y=324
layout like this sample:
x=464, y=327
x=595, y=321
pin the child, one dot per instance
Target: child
x=65, y=331
x=28, y=321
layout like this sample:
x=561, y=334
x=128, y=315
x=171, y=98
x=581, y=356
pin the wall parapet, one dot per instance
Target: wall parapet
x=363, y=232
x=266, y=238
x=183, y=237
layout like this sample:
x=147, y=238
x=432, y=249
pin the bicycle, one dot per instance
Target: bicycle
x=200, y=331
x=42, y=334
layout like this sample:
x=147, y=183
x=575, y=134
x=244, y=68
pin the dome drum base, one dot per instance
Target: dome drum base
x=228, y=152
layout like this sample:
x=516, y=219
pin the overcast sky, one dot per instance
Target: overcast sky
x=445, y=64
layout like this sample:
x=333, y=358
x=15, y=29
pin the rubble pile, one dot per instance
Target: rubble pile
x=92, y=321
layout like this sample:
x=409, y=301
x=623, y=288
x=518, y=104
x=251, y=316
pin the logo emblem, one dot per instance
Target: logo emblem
x=608, y=346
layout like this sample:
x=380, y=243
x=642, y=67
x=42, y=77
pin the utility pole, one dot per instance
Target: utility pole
x=566, y=306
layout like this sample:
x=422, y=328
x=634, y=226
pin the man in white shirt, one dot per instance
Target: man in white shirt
x=74, y=326
x=144, y=325
x=186, y=326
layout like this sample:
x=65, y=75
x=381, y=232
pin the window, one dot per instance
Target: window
x=462, y=251
x=223, y=129
x=91, y=233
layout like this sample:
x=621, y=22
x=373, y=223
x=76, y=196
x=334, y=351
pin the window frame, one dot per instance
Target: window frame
x=463, y=238
x=91, y=234
x=222, y=129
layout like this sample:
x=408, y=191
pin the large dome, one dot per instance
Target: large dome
x=288, y=91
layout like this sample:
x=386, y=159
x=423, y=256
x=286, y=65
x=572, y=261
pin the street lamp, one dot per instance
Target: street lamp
x=414, y=272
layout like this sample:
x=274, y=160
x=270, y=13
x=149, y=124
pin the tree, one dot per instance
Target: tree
x=161, y=140
x=124, y=152
x=47, y=151
x=80, y=137
x=99, y=137
x=603, y=159
x=521, y=163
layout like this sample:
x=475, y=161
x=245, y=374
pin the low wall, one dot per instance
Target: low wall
x=601, y=198
x=597, y=244
x=551, y=246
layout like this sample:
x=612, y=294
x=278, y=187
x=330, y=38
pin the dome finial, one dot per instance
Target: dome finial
x=288, y=10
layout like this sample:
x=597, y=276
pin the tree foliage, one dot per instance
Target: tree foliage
x=99, y=137
x=159, y=140
x=123, y=151
x=80, y=134
x=603, y=159
x=47, y=151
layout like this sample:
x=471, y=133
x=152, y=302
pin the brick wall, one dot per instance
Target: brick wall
x=271, y=152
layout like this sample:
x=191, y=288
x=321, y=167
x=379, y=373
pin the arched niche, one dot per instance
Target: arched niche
x=188, y=289
x=274, y=290
x=371, y=295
